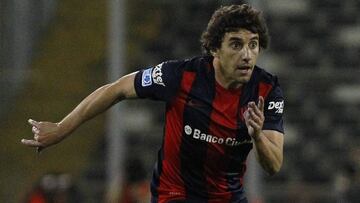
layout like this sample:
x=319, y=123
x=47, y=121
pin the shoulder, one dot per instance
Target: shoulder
x=189, y=64
x=261, y=75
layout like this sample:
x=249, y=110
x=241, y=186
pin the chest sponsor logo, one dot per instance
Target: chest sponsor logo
x=198, y=135
x=146, y=79
x=157, y=75
x=278, y=106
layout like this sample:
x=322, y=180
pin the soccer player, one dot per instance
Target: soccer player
x=218, y=107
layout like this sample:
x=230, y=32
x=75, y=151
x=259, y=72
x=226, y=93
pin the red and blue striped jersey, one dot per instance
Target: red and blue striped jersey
x=205, y=142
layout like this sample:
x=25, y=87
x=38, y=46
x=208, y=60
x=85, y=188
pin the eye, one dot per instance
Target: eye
x=236, y=45
x=253, y=44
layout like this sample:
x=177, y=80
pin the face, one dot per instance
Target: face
x=237, y=56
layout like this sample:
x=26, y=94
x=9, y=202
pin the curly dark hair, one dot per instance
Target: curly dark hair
x=230, y=19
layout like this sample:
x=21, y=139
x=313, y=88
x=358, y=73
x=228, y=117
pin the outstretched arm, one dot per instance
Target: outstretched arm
x=48, y=133
x=268, y=143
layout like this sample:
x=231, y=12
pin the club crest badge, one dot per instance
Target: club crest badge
x=146, y=77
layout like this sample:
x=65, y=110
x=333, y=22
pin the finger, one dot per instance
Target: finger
x=246, y=115
x=253, y=105
x=254, y=125
x=31, y=143
x=259, y=107
x=261, y=104
x=258, y=112
x=250, y=104
x=255, y=109
x=35, y=130
x=34, y=123
x=255, y=115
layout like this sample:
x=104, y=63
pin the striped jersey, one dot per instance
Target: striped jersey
x=205, y=142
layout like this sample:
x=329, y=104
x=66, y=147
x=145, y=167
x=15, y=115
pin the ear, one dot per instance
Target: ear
x=214, y=53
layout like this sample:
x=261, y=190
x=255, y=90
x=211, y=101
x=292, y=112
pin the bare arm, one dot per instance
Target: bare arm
x=48, y=133
x=268, y=143
x=269, y=150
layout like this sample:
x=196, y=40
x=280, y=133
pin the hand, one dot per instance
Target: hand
x=45, y=135
x=254, y=118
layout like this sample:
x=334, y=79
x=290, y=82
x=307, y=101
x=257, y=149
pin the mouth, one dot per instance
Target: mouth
x=243, y=69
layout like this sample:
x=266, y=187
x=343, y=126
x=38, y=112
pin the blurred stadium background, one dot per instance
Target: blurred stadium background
x=54, y=53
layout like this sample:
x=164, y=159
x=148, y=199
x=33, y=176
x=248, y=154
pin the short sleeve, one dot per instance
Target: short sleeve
x=273, y=110
x=159, y=82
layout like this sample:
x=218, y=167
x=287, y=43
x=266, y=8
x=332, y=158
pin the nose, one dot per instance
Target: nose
x=246, y=55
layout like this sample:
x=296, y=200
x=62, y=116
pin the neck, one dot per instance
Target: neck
x=220, y=77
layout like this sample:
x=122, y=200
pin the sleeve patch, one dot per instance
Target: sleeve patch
x=146, y=77
x=276, y=106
